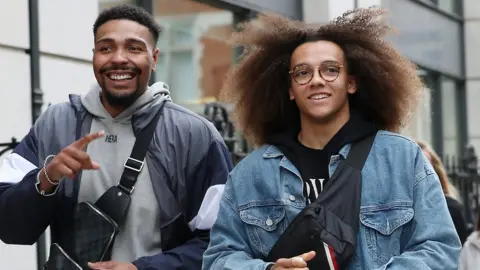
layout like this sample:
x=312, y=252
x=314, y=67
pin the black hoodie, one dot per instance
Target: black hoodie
x=312, y=163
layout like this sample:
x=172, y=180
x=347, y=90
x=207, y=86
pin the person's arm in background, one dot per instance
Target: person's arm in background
x=229, y=248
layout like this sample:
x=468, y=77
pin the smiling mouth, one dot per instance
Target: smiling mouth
x=120, y=76
x=319, y=96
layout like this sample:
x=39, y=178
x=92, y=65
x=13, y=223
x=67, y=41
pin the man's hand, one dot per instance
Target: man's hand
x=70, y=161
x=295, y=263
x=111, y=265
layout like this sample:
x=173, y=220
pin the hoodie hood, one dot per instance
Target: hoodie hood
x=154, y=95
x=356, y=128
x=313, y=163
x=474, y=240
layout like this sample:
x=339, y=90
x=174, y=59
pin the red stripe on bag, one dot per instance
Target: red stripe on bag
x=332, y=256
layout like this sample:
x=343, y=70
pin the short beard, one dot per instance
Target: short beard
x=123, y=101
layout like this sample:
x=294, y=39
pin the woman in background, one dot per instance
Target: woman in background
x=451, y=193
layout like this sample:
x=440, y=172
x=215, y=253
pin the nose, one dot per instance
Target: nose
x=317, y=79
x=119, y=57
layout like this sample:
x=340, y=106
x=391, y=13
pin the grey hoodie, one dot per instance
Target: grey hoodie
x=470, y=255
x=140, y=235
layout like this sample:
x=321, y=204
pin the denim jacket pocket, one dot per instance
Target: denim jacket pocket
x=382, y=228
x=265, y=224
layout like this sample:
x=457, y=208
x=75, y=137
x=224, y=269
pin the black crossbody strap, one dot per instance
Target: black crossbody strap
x=359, y=152
x=356, y=158
x=134, y=164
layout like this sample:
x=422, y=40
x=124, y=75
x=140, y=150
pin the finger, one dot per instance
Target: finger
x=90, y=165
x=283, y=263
x=290, y=263
x=298, y=259
x=82, y=157
x=94, y=265
x=76, y=153
x=308, y=256
x=82, y=142
x=297, y=262
x=101, y=265
x=71, y=163
x=66, y=171
x=277, y=267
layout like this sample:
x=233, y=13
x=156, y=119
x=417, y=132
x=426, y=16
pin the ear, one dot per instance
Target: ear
x=352, y=85
x=290, y=94
x=156, y=52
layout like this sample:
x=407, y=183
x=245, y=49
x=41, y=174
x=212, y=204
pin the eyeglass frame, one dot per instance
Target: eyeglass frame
x=314, y=68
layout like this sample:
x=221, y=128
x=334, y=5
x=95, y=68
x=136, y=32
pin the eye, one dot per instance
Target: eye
x=104, y=49
x=331, y=70
x=135, y=49
x=303, y=71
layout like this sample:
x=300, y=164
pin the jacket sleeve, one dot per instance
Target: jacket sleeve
x=205, y=189
x=229, y=249
x=24, y=213
x=469, y=257
x=432, y=242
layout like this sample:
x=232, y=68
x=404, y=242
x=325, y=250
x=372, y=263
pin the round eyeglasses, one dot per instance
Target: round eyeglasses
x=303, y=73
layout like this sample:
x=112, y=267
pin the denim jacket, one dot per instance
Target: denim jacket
x=404, y=219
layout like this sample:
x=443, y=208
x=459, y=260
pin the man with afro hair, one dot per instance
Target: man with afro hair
x=308, y=97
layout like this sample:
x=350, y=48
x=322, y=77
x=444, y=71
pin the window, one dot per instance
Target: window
x=450, y=6
x=420, y=126
x=194, y=55
x=104, y=4
x=445, y=125
x=450, y=116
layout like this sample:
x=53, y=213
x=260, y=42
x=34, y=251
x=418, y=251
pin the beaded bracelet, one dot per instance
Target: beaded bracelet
x=55, y=183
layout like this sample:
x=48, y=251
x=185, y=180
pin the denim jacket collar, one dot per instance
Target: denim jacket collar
x=273, y=152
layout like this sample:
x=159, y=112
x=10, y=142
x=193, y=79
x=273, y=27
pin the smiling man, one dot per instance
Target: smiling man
x=79, y=149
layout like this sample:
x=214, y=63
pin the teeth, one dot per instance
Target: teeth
x=120, y=77
x=321, y=96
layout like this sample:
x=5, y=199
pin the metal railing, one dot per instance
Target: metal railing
x=218, y=114
x=8, y=146
x=463, y=173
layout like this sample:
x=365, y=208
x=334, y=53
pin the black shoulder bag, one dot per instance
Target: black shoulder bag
x=329, y=225
x=95, y=226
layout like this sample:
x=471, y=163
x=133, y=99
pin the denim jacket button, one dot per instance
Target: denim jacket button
x=269, y=222
x=291, y=198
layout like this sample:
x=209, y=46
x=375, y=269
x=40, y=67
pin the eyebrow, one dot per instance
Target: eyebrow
x=323, y=63
x=131, y=40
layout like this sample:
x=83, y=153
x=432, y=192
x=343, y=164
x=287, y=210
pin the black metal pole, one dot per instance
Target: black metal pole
x=437, y=112
x=37, y=96
x=462, y=114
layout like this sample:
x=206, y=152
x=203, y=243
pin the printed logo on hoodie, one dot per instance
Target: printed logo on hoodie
x=111, y=138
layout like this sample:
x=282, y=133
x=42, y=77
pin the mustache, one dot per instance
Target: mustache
x=131, y=69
